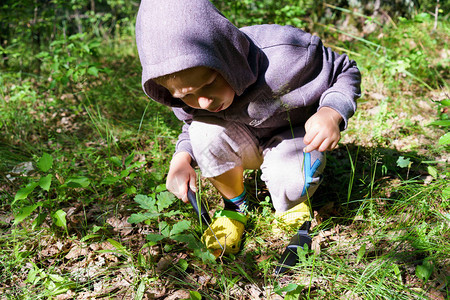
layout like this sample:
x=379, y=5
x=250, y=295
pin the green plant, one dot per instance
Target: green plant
x=129, y=170
x=170, y=227
x=292, y=290
x=404, y=163
x=291, y=15
x=47, y=203
x=247, y=12
x=425, y=270
x=69, y=60
x=443, y=121
x=53, y=283
x=403, y=56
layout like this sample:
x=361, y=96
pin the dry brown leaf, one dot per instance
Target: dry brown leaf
x=178, y=295
x=206, y=279
x=435, y=295
x=163, y=264
x=262, y=257
x=101, y=246
x=49, y=251
x=268, y=290
x=254, y=291
x=157, y=292
x=77, y=251
x=315, y=246
x=351, y=295
x=67, y=295
x=6, y=219
x=120, y=225
x=86, y=296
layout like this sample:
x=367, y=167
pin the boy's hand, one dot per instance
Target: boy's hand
x=322, y=130
x=181, y=175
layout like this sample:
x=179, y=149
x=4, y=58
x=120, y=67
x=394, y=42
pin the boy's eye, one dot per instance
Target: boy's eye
x=212, y=82
x=209, y=84
x=187, y=97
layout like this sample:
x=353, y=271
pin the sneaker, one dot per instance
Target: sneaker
x=225, y=233
x=291, y=219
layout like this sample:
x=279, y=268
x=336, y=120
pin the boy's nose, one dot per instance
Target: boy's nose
x=204, y=102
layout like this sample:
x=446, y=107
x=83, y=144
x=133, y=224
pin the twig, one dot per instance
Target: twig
x=8, y=181
x=436, y=12
x=389, y=18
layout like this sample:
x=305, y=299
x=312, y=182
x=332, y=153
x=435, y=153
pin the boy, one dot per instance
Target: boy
x=267, y=96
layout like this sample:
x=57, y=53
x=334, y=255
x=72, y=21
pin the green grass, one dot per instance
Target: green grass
x=381, y=226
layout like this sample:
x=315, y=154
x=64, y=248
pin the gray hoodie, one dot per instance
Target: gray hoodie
x=281, y=74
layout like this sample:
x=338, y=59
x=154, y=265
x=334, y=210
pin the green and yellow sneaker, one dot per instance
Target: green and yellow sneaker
x=292, y=219
x=228, y=227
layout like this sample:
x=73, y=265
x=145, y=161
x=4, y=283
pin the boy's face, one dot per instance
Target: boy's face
x=199, y=87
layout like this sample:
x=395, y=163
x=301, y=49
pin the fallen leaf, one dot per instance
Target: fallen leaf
x=67, y=295
x=77, y=251
x=178, y=295
x=315, y=246
x=254, y=291
x=120, y=225
x=163, y=264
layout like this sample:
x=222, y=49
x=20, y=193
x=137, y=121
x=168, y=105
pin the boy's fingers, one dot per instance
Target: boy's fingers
x=325, y=146
x=306, y=139
x=184, y=197
x=309, y=137
x=193, y=188
x=192, y=185
x=314, y=144
x=193, y=182
x=180, y=191
x=334, y=145
x=307, y=149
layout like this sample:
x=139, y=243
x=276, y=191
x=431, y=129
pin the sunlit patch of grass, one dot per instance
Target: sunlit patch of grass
x=395, y=70
x=379, y=252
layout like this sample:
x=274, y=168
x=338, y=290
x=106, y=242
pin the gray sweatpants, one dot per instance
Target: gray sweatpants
x=290, y=175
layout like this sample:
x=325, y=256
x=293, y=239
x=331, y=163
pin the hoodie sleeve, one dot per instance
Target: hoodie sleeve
x=184, y=143
x=327, y=78
x=344, y=88
x=303, y=72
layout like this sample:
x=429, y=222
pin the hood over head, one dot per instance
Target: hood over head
x=174, y=35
